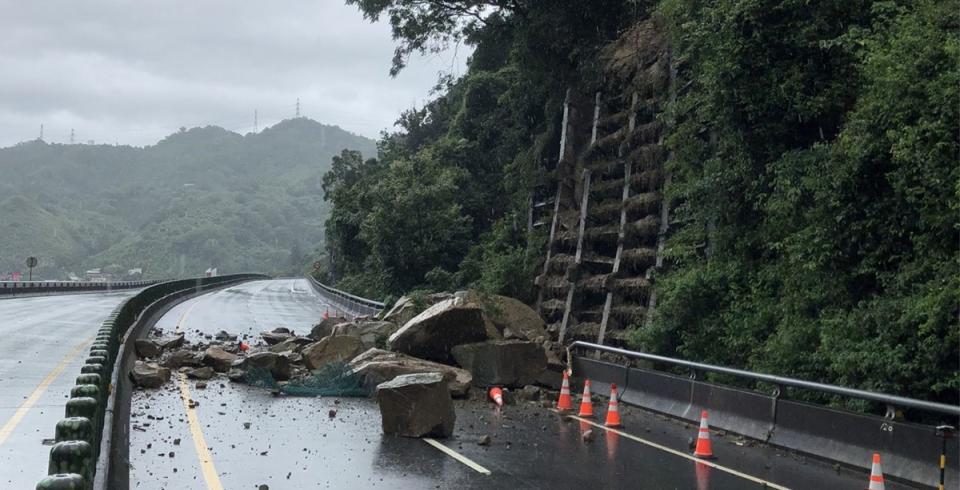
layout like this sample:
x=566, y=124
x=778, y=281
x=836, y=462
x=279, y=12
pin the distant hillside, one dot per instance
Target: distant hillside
x=204, y=197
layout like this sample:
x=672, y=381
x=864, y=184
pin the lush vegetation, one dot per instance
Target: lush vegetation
x=203, y=197
x=815, y=182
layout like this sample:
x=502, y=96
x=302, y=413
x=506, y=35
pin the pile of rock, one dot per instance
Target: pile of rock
x=409, y=357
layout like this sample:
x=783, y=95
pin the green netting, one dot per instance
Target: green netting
x=334, y=379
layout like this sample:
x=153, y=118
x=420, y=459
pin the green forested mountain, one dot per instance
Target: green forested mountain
x=814, y=185
x=203, y=197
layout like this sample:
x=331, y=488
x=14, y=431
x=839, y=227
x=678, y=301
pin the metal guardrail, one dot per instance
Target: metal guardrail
x=889, y=400
x=14, y=288
x=349, y=303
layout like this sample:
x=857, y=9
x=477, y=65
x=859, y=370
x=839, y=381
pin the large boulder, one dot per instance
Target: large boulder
x=180, y=358
x=416, y=405
x=174, y=342
x=292, y=344
x=219, y=359
x=370, y=333
x=341, y=348
x=205, y=372
x=511, y=318
x=147, y=348
x=279, y=365
x=149, y=375
x=376, y=366
x=273, y=338
x=432, y=333
x=513, y=363
x=325, y=327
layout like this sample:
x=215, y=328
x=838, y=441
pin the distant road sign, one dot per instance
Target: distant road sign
x=31, y=262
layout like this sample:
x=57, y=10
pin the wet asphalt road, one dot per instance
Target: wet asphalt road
x=43, y=344
x=292, y=443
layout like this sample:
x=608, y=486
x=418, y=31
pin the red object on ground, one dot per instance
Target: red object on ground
x=704, y=448
x=565, y=402
x=496, y=394
x=244, y=347
x=586, y=405
x=613, y=409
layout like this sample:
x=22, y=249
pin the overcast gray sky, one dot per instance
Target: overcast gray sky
x=133, y=71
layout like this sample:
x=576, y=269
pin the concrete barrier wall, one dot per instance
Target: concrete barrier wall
x=911, y=451
x=77, y=461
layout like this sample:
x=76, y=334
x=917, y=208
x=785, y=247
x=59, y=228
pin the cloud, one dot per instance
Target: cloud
x=132, y=72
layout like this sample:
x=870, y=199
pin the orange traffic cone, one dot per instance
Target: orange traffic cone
x=565, y=402
x=586, y=406
x=613, y=409
x=704, y=449
x=496, y=394
x=876, y=474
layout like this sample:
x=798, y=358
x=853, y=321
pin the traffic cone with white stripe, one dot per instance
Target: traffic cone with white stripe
x=876, y=474
x=613, y=409
x=565, y=402
x=704, y=449
x=496, y=394
x=586, y=406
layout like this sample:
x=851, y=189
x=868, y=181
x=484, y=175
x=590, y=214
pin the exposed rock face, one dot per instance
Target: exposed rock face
x=219, y=359
x=147, y=348
x=502, y=362
x=370, y=333
x=431, y=334
x=416, y=405
x=377, y=366
x=149, y=375
x=279, y=365
x=181, y=358
x=341, y=348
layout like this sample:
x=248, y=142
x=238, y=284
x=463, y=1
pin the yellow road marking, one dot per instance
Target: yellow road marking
x=457, y=456
x=678, y=453
x=209, y=471
x=199, y=443
x=39, y=390
x=183, y=317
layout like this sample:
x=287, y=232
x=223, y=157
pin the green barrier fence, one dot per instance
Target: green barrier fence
x=83, y=433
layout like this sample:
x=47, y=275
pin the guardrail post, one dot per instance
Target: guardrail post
x=62, y=481
x=72, y=457
x=74, y=429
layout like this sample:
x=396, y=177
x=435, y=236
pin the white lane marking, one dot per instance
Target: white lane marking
x=457, y=456
x=674, y=452
x=31, y=400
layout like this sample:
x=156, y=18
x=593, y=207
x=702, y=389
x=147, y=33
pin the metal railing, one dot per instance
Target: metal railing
x=13, y=288
x=349, y=303
x=889, y=400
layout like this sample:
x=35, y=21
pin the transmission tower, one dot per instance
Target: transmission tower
x=298, y=106
x=71, y=136
x=255, y=126
x=41, y=132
